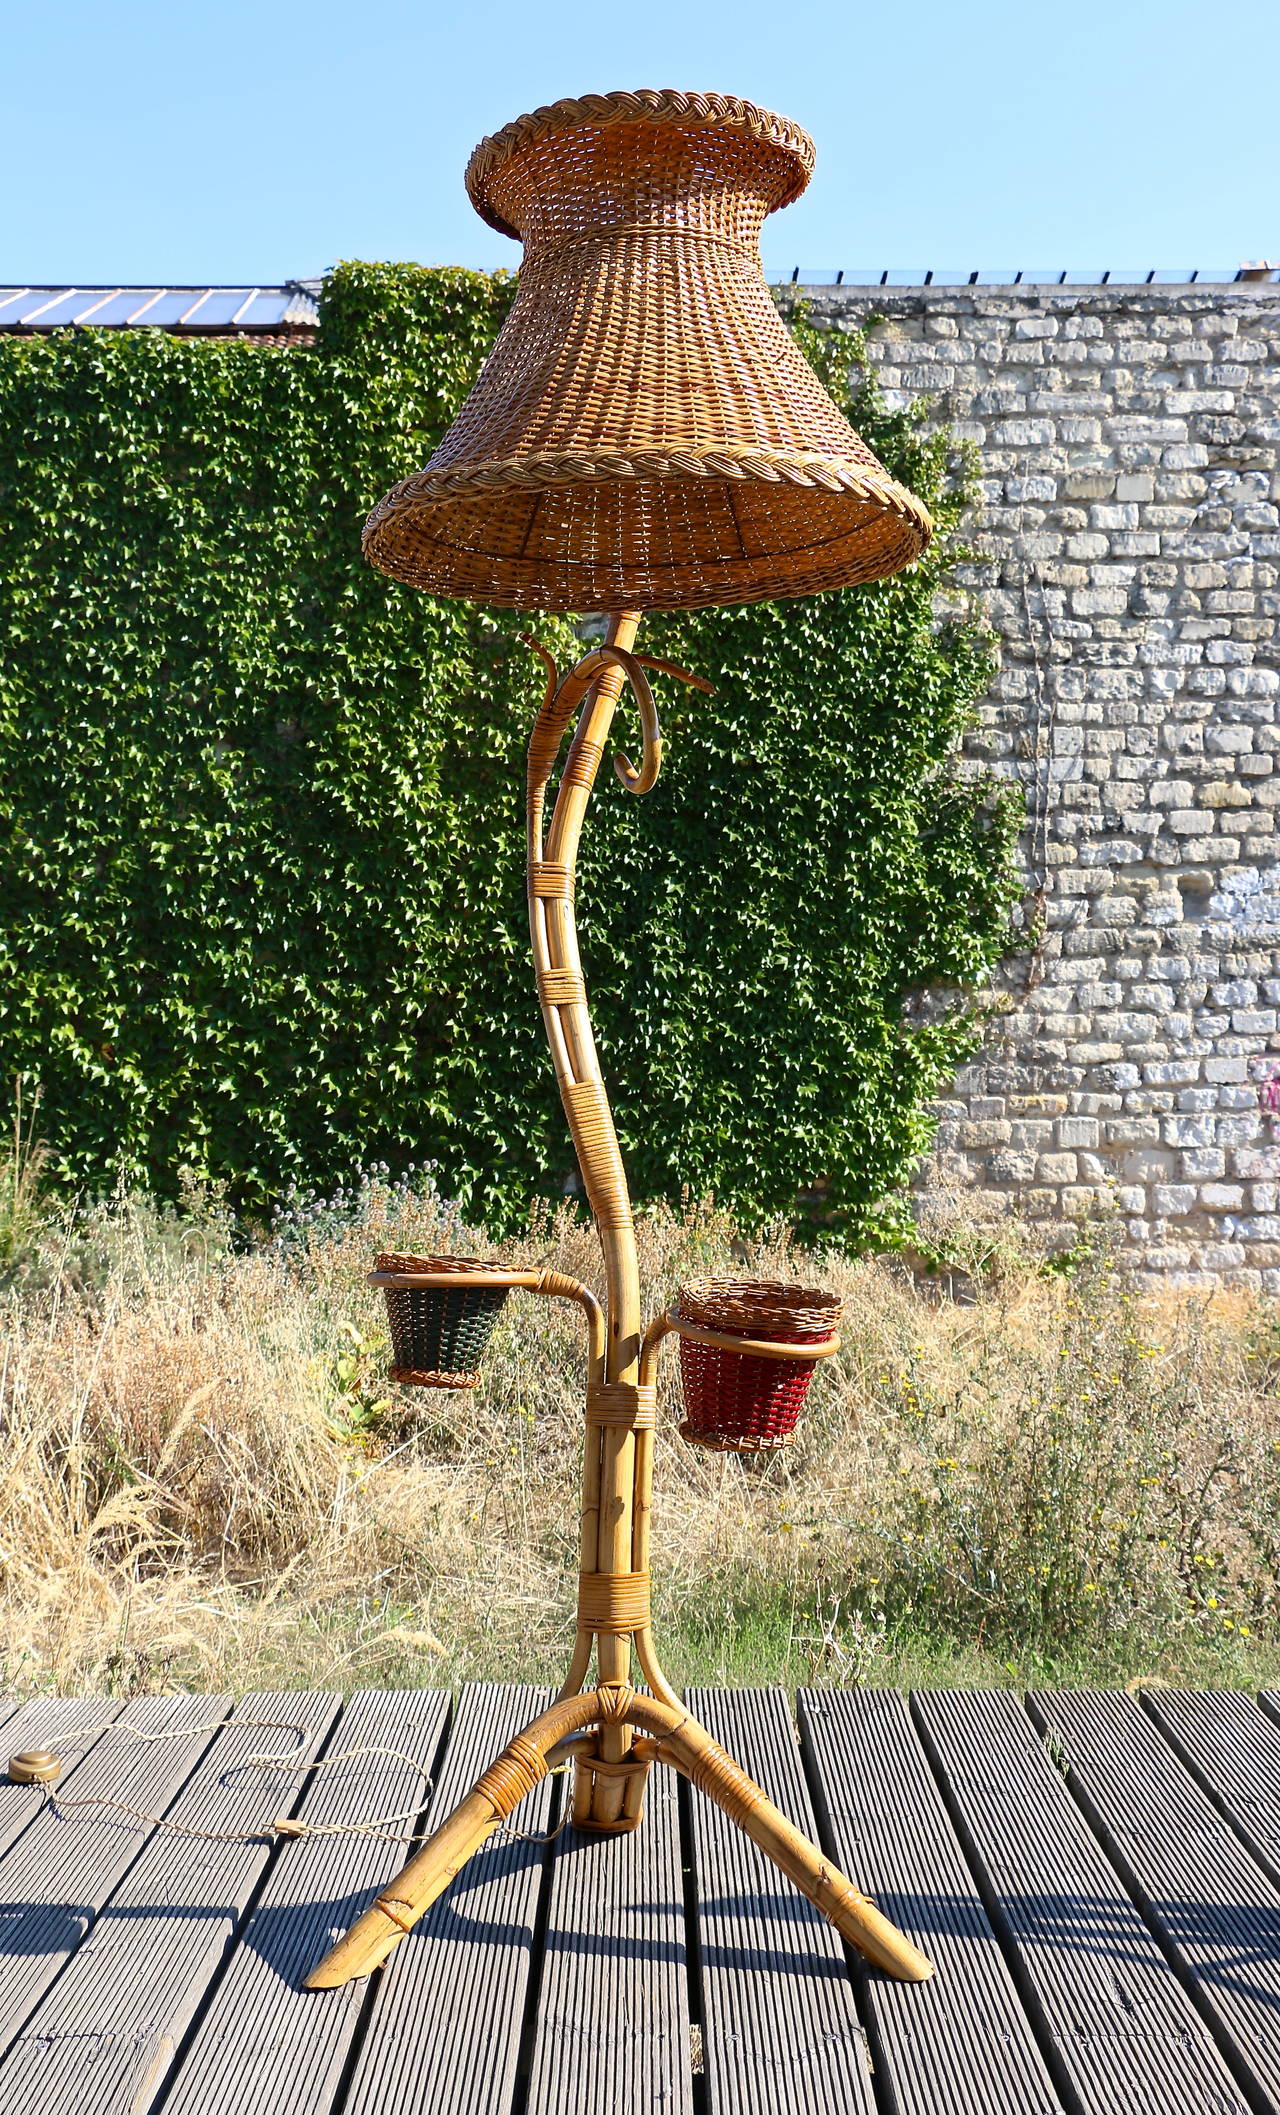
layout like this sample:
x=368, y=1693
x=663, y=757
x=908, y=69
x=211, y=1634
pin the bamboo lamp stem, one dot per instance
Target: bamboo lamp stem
x=611, y=1465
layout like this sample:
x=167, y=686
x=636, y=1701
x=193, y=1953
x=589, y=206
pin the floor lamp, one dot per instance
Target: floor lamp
x=644, y=436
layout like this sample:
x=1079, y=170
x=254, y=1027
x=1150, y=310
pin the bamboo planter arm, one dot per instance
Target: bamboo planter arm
x=673, y=1324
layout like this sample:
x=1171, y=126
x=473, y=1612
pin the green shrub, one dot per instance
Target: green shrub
x=261, y=819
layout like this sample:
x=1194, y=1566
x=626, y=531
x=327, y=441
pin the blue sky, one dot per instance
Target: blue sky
x=259, y=140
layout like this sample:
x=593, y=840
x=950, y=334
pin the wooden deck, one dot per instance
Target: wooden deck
x=1096, y=1876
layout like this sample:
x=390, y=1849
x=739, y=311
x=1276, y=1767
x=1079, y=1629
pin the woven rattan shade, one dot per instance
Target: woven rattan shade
x=645, y=433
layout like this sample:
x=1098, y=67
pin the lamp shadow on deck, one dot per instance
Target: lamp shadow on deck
x=1099, y=1927
x=288, y=1938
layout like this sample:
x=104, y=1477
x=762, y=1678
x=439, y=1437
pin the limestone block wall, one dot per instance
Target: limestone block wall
x=1131, y=540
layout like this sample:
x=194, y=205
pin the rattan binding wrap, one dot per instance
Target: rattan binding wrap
x=622, y=1406
x=615, y=1601
x=645, y=433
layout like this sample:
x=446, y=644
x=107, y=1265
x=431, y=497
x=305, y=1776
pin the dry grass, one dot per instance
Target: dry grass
x=206, y=1481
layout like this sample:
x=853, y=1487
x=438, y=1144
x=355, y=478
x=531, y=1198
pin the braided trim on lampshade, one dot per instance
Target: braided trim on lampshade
x=622, y=106
x=532, y=472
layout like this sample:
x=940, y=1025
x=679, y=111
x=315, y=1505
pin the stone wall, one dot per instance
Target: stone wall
x=1128, y=440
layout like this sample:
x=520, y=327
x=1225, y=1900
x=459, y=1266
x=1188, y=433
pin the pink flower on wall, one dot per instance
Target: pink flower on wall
x=1266, y=1074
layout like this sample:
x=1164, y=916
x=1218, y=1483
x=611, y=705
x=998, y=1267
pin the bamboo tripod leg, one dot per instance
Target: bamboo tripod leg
x=854, y=1915
x=366, y=1945
x=675, y=1738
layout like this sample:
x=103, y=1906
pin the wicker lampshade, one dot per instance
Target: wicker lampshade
x=645, y=433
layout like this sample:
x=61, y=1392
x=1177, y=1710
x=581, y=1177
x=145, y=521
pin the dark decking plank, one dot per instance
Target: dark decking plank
x=446, y=2019
x=264, y=2043
x=1124, y=2036
x=780, y=2024
x=1217, y=1912
x=1233, y=1749
x=64, y=1867
x=612, y=2029
x=47, y=1722
x=102, y=2041
x=961, y=2043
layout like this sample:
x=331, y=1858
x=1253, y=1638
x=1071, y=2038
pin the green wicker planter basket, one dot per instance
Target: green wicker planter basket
x=438, y=1333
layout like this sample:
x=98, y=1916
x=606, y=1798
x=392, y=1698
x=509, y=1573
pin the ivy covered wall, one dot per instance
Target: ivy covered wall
x=261, y=808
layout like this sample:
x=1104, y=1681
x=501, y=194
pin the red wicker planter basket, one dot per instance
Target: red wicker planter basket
x=739, y=1402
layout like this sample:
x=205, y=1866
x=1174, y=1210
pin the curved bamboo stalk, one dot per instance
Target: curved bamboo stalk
x=595, y=684
x=618, y=1465
x=659, y=1328
x=677, y=1739
x=609, y=1468
x=576, y=1673
x=651, y=1668
x=646, y=778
